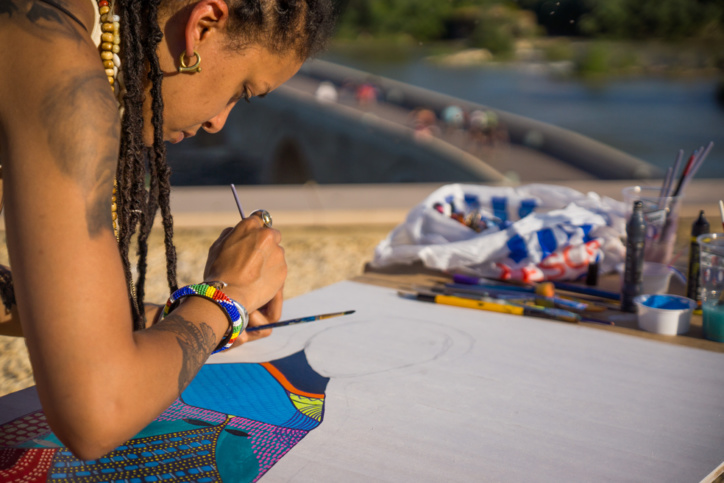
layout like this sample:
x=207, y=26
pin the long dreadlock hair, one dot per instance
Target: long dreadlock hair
x=298, y=26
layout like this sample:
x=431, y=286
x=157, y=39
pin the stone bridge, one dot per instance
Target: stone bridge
x=292, y=137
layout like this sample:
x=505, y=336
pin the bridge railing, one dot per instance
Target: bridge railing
x=599, y=159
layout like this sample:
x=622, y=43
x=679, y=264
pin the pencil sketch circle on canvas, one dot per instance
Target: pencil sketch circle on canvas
x=376, y=346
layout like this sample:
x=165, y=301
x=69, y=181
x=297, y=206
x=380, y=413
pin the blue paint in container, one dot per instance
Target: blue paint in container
x=664, y=314
x=666, y=302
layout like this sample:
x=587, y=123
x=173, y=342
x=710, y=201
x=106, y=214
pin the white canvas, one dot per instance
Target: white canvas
x=425, y=392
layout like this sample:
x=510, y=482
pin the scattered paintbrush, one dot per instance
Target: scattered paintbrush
x=301, y=320
x=568, y=287
x=597, y=321
x=524, y=292
x=505, y=308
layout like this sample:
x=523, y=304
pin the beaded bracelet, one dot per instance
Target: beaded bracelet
x=235, y=312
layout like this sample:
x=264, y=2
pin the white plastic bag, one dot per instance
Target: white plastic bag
x=529, y=233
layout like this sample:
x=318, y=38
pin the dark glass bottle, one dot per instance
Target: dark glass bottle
x=700, y=226
x=633, y=275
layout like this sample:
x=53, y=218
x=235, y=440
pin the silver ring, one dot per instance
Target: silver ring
x=266, y=218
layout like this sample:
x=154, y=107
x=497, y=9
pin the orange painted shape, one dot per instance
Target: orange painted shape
x=286, y=384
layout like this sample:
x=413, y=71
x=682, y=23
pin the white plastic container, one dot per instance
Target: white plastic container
x=664, y=314
x=656, y=277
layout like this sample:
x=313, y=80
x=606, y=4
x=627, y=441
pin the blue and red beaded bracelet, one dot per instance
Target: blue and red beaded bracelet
x=235, y=312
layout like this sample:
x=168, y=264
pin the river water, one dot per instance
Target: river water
x=648, y=117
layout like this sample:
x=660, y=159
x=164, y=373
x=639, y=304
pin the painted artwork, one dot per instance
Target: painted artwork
x=232, y=424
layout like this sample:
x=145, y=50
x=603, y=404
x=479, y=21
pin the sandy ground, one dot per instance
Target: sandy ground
x=316, y=256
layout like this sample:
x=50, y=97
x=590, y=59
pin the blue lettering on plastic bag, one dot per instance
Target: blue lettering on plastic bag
x=572, y=230
x=518, y=249
x=527, y=207
x=472, y=201
x=500, y=211
x=547, y=241
x=587, y=233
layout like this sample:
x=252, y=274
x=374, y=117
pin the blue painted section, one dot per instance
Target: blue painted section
x=248, y=391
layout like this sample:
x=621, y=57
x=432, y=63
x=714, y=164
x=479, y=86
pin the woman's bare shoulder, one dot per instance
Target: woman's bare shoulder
x=59, y=117
x=55, y=64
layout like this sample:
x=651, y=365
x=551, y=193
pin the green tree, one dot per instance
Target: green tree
x=355, y=18
x=667, y=19
x=496, y=29
x=628, y=19
x=420, y=19
x=623, y=19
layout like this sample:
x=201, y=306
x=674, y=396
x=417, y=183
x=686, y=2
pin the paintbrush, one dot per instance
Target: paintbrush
x=504, y=285
x=522, y=292
x=238, y=203
x=685, y=172
x=674, y=173
x=699, y=158
x=481, y=304
x=301, y=320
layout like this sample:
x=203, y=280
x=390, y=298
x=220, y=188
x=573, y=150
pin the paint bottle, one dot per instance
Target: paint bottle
x=592, y=274
x=699, y=227
x=633, y=275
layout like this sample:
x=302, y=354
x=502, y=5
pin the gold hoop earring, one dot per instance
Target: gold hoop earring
x=190, y=69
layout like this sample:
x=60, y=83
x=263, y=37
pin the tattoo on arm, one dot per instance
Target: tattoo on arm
x=196, y=342
x=81, y=119
x=40, y=18
x=79, y=111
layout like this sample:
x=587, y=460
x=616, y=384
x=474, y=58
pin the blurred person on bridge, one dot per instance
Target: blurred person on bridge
x=486, y=132
x=367, y=94
x=326, y=92
x=424, y=123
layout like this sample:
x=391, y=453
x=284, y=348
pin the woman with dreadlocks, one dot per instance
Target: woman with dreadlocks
x=94, y=90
